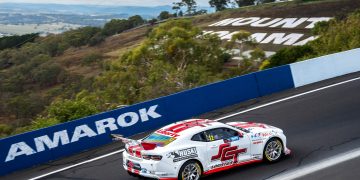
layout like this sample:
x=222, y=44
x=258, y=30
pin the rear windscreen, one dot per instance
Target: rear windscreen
x=159, y=139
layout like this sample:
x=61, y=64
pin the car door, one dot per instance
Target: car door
x=226, y=147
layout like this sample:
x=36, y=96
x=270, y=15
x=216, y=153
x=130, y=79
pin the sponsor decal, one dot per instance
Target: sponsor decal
x=266, y=134
x=257, y=156
x=257, y=142
x=227, y=152
x=235, y=138
x=223, y=164
x=256, y=135
x=64, y=137
x=183, y=154
x=167, y=133
x=260, y=136
x=232, y=139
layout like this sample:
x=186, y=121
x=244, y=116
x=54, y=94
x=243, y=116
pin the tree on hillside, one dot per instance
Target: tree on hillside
x=164, y=15
x=177, y=7
x=190, y=6
x=136, y=21
x=186, y=57
x=17, y=41
x=219, y=4
x=81, y=36
x=241, y=3
x=116, y=26
x=243, y=40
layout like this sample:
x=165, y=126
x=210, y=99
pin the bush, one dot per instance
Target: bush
x=81, y=36
x=116, y=26
x=288, y=55
x=47, y=74
x=25, y=106
x=5, y=130
x=334, y=36
x=97, y=39
x=16, y=41
x=91, y=58
x=164, y=15
x=67, y=110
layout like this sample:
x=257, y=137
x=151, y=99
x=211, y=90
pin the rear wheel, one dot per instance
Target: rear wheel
x=273, y=150
x=191, y=170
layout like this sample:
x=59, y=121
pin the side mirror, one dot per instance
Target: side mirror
x=241, y=135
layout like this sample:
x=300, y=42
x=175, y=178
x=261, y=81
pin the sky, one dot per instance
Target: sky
x=108, y=2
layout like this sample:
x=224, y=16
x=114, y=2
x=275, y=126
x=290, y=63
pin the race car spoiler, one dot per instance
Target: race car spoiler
x=119, y=137
x=132, y=142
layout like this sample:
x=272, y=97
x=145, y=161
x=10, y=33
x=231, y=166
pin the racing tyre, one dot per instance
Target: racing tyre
x=191, y=170
x=273, y=150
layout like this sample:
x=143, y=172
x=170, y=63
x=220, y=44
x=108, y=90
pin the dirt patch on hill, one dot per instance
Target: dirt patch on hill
x=111, y=49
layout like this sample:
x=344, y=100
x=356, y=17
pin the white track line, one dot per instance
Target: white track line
x=219, y=119
x=284, y=99
x=311, y=168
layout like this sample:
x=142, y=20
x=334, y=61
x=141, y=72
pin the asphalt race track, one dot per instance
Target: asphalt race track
x=318, y=125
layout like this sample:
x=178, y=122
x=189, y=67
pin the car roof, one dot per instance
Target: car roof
x=189, y=127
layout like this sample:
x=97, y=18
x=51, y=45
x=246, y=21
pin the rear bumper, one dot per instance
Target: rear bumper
x=149, y=168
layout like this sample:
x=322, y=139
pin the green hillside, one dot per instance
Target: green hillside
x=59, y=78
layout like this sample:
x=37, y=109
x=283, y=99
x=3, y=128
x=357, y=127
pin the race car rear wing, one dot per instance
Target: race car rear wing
x=132, y=142
x=119, y=137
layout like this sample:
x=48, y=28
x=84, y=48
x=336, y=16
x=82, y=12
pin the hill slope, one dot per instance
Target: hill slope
x=78, y=69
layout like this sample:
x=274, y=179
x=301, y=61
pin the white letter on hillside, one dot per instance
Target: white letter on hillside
x=279, y=38
x=315, y=20
x=228, y=36
x=134, y=118
x=82, y=131
x=41, y=141
x=225, y=22
x=258, y=36
x=289, y=22
x=300, y=43
x=220, y=33
x=207, y=32
x=14, y=151
x=258, y=23
x=151, y=112
x=105, y=123
x=245, y=21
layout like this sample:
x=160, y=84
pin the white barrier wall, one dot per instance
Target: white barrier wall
x=325, y=67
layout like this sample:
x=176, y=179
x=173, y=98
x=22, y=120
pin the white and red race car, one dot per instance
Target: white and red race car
x=189, y=149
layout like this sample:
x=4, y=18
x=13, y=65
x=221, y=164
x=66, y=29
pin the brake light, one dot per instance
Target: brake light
x=146, y=157
x=152, y=157
x=156, y=158
x=148, y=146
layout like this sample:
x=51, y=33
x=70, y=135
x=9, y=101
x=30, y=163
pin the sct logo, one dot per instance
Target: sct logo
x=227, y=152
x=64, y=137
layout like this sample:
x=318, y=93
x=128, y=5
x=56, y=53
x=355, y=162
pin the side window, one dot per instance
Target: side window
x=199, y=137
x=219, y=134
x=230, y=133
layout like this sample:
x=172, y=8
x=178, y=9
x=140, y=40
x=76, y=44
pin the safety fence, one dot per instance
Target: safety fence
x=40, y=146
